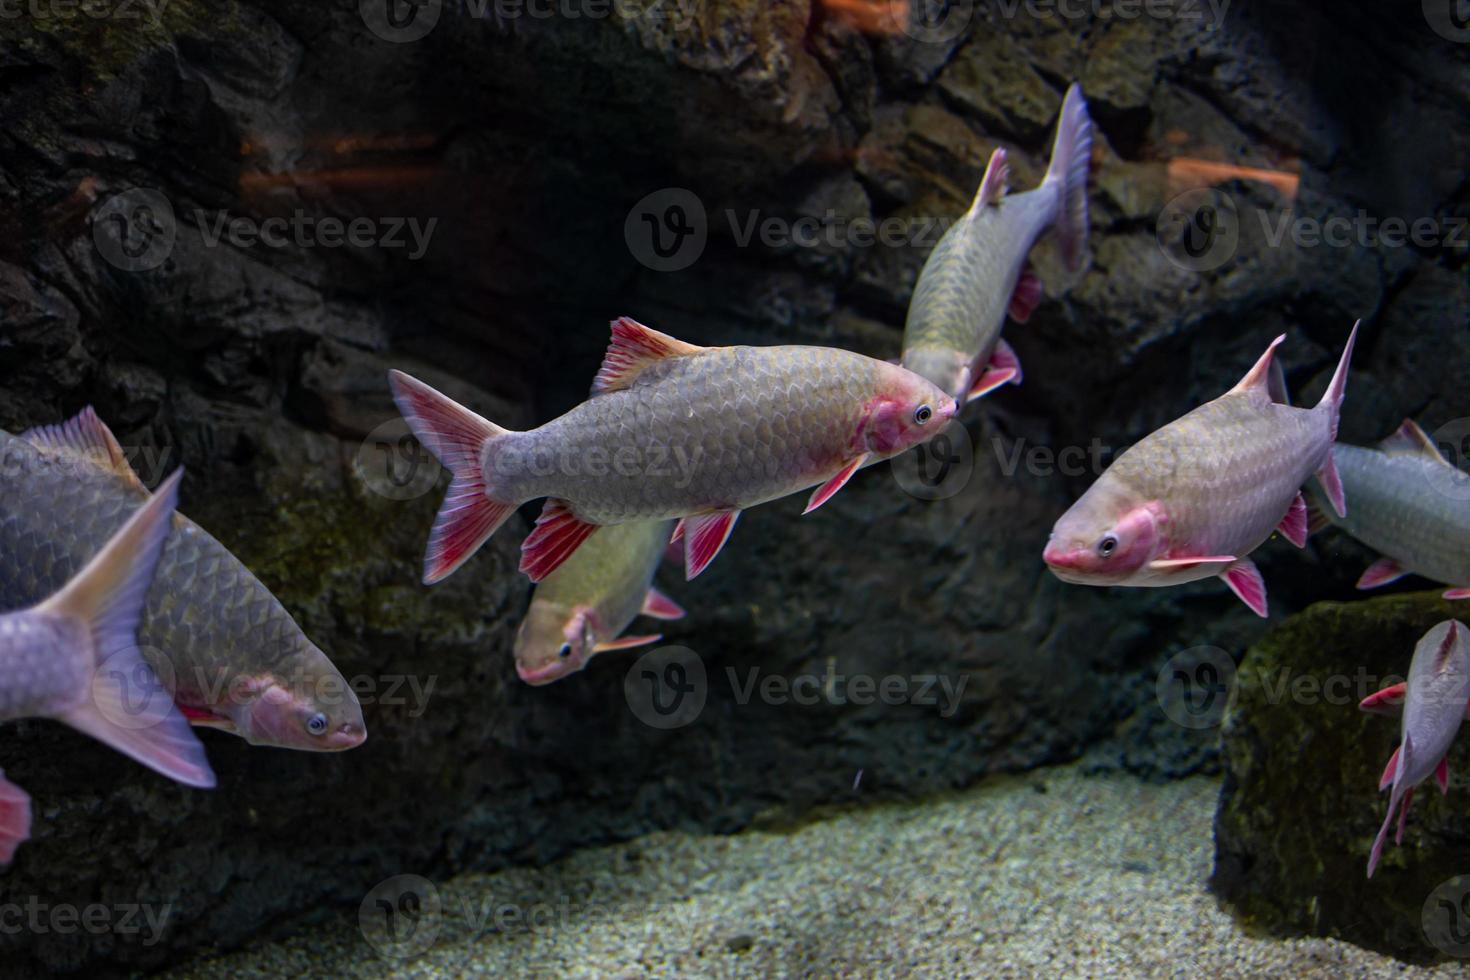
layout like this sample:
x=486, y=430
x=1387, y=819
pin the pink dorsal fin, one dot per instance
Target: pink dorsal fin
x=1245, y=581
x=1027, y=295
x=1003, y=368
x=704, y=536
x=995, y=183
x=1389, y=701
x=627, y=642
x=1447, y=647
x=1381, y=572
x=15, y=818
x=660, y=606
x=1258, y=378
x=1293, y=526
x=632, y=349
x=85, y=436
x=558, y=533
x=824, y=492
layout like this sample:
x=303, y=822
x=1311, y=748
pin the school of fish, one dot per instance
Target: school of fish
x=105, y=586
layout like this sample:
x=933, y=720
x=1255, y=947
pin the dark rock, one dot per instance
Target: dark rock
x=1300, y=806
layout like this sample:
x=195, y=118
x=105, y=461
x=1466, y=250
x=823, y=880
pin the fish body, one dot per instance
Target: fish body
x=978, y=271
x=228, y=650
x=1434, y=699
x=75, y=658
x=582, y=608
x=672, y=431
x=1195, y=498
x=1411, y=505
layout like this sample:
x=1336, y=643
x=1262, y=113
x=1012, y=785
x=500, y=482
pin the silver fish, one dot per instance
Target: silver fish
x=978, y=272
x=1435, y=696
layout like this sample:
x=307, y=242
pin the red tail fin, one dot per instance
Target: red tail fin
x=457, y=437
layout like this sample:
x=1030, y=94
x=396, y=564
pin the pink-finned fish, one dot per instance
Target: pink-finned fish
x=75, y=658
x=979, y=270
x=582, y=608
x=226, y=649
x=1411, y=505
x=1434, y=700
x=672, y=431
x=1195, y=498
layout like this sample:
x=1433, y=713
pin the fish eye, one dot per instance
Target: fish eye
x=565, y=651
x=923, y=414
x=317, y=724
x=1107, y=545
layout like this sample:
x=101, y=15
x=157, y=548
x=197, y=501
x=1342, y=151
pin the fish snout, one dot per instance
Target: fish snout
x=537, y=676
x=349, y=735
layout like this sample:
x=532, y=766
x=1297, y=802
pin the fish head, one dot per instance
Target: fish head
x=948, y=369
x=554, y=641
x=313, y=711
x=906, y=410
x=1104, y=539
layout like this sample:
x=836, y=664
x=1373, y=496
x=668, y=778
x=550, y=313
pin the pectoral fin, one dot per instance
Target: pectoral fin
x=1027, y=295
x=1166, y=564
x=660, y=606
x=1381, y=572
x=627, y=643
x=824, y=492
x=1244, y=579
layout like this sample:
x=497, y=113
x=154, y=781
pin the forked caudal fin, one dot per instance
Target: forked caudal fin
x=108, y=596
x=1332, y=404
x=1070, y=156
x=456, y=436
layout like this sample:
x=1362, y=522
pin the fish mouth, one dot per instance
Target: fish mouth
x=347, y=736
x=537, y=676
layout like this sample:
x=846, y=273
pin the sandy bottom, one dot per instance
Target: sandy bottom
x=1050, y=874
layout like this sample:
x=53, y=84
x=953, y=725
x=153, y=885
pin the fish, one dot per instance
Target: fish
x=979, y=270
x=1193, y=499
x=232, y=657
x=75, y=658
x=582, y=608
x=1399, y=511
x=1436, y=693
x=672, y=430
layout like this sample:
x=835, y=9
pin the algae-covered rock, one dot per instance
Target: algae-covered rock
x=1301, y=806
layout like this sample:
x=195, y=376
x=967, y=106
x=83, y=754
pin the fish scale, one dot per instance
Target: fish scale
x=45, y=662
x=753, y=424
x=1398, y=510
x=207, y=621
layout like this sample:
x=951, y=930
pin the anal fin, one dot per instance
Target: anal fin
x=1381, y=572
x=1244, y=579
x=558, y=533
x=704, y=536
